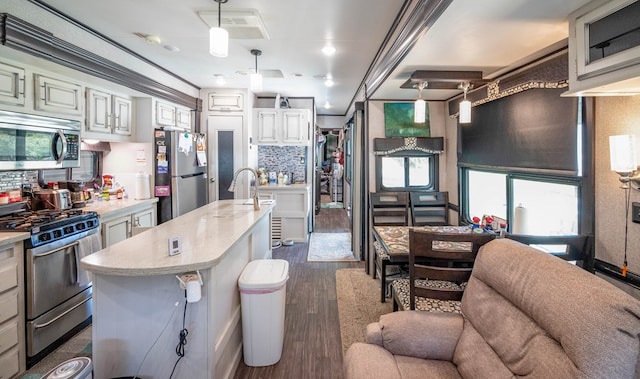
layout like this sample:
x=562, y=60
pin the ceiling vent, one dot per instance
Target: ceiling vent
x=241, y=24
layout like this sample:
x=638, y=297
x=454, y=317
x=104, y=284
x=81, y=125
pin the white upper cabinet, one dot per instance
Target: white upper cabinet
x=281, y=126
x=12, y=85
x=108, y=114
x=57, y=96
x=169, y=115
x=226, y=102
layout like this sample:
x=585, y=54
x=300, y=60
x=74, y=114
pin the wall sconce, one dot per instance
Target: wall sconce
x=420, y=107
x=624, y=160
x=255, y=79
x=218, y=37
x=465, y=105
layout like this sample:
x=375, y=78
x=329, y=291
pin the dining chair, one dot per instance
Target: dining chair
x=429, y=208
x=440, y=265
x=571, y=248
x=387, y=209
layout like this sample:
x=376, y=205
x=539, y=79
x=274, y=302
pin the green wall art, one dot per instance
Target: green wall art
x=398, y=121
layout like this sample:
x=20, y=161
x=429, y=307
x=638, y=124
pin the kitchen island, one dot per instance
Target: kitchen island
x=139, y=304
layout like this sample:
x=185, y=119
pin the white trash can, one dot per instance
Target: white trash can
x=263, y=285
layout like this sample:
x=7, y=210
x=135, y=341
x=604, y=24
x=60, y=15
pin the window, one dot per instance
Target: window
x=532, y=204
x=407, y=173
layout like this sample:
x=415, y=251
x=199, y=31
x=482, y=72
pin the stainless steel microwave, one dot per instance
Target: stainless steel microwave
x=29, y=142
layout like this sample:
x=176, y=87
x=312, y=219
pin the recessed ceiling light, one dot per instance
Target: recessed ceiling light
x=241, y=73
x=220, y=79
x=327, y=105
x=172, y=48
x=297, y=75
x=328, y=82
x=328, y=50
x=152, y=39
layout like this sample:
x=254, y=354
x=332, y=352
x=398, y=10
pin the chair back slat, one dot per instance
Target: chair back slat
x=576, y=247
x=389, y=208
x=445, y=257
x=429, y=208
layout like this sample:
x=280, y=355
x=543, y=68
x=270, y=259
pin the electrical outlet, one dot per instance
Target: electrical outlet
x=635, y=212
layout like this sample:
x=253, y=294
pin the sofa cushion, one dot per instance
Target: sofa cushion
x=543, y=317
x=416, y=368
x=368, y=361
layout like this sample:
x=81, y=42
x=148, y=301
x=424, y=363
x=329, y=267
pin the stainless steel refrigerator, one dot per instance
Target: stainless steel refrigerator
x=181, y=172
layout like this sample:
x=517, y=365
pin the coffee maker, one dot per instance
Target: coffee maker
x=77, y=192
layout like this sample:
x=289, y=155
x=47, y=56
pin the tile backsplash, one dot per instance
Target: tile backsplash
x=14, y=179
x=284, y=159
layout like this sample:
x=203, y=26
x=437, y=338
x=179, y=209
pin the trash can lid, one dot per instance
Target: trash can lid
x=264, y=274
x=79, y=367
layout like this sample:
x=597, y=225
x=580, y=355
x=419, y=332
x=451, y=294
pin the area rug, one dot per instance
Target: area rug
x=78, y=346
x=358, y=304
x=330, y=247
x=331, y=205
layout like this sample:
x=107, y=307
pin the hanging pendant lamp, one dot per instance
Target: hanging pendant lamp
x=219, y=37
x=420, y=106
x=465, y=105
x=255, y=79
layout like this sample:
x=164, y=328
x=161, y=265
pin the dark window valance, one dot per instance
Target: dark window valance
x=408, y=146
x=534, y=129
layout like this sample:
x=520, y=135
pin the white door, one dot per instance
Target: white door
x=225, y=136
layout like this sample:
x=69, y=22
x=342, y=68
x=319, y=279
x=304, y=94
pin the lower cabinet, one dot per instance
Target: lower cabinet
x=123, y=226
x=12, y=348
x=290, y=218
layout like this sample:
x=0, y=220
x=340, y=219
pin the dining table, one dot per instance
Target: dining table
x=395, y=239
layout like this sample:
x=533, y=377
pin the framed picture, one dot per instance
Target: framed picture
x=398, y=121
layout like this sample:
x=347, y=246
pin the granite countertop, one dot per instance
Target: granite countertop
x=116, y=208
x=206, y=235
x=13, y=237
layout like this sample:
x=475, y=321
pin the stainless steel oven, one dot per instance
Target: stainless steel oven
x=37, y=142
x=57, y=292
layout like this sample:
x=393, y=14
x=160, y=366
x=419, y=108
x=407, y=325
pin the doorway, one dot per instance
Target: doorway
x=331, y=169
x=225, y=156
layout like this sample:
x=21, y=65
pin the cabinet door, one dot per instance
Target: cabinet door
x=183, y=118
x=116, y=230
x=225, y=102
x=121, y=116
x=57, y=96
x=9, y=364
x=98, y=111
x=12, y=85
x=294, y=126
x=145, y=219
x=267, y=126
x=165, y=114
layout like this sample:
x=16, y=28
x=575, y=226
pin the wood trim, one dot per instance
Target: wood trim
x=21, y=35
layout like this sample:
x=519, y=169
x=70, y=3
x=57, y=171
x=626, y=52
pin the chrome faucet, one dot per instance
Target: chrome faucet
x=232, y=187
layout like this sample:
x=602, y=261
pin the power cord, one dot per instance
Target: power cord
x=182, y=338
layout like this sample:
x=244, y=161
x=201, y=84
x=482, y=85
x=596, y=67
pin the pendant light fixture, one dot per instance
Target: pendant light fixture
x=465, y=105
x=420, y=107
x=255, y=78
x=218, y=37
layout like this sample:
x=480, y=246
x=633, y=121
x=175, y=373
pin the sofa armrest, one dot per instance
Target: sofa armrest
x=374, y=334
x=426, y=335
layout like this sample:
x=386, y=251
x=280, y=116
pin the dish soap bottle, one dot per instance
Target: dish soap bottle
x=280, y=178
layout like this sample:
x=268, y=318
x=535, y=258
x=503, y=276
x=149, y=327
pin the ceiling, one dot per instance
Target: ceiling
x=491, y=36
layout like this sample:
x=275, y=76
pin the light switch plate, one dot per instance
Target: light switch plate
x=635, y=212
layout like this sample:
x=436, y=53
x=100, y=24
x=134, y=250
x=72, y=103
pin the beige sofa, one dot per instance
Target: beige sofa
x=525, y=314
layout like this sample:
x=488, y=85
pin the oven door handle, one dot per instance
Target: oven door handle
x=55, y=250
x=58, y=317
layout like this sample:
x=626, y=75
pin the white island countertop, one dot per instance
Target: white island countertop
x=206, y=234
x=116, y=208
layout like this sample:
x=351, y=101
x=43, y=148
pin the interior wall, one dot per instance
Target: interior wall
x=614, y=115
x=437, y=119
x=450, y=157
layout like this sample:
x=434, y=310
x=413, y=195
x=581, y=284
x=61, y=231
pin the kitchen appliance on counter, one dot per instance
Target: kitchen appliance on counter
x=52, y=199
x=58, y=301
x=37, y=142
x=181, y=173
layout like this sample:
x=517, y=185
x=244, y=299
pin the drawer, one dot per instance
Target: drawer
x=9, y=364
x=8, y=277
x=8, y=337
x=8, y=306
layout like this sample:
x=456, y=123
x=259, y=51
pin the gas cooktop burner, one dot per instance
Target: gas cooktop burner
x=49, y=225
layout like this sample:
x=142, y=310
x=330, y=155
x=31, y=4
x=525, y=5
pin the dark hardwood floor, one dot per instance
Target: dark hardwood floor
x=312, y=345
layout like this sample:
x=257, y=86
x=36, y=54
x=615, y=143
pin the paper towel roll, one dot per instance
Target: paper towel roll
x=143, y=187
x=520, y=220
